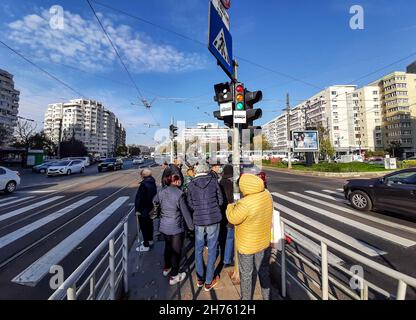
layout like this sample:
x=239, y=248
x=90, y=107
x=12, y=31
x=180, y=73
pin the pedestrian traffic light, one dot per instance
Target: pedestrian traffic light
x=173, y=131
x=228, y=120
x=239, y=96
x=223, y=93
x=251, y=98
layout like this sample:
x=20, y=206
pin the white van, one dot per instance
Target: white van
x=85, y=159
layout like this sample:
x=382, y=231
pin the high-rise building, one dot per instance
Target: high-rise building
x=275, y=132
x=88, y=121
x=411, y=68
x=9, y=102
x=398, y=103
x=365, y=119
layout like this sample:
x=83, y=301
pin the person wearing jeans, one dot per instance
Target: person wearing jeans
x=229, y=248
x=252, y=217
x=205, y=199
x=211, y=233
x=227, y=229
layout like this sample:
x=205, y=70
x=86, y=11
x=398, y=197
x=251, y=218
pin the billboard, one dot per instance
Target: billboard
x=305, y=141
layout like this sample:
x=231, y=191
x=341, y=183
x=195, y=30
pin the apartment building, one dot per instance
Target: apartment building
x=398, y=103
x=9, y=102
x=365, y=118
x=88, y=121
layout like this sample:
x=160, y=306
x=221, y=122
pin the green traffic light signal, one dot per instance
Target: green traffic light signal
x=240, y=106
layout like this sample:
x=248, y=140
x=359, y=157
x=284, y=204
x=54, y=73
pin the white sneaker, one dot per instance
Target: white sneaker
x=174, y=280
x=142, y=248
x=166, y=272
x=150, y=242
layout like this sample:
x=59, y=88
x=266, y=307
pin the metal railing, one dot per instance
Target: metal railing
x=326, y=279
x=105, y=280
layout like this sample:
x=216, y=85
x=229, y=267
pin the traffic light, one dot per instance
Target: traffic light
x=251, y=98
x=173, y=131
x=228, y=120
x=239, y=93
x=223, y=92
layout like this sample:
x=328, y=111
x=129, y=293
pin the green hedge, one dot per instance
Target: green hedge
x=330, y=167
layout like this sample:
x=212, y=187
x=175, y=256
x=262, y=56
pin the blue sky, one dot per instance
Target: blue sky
x=308, y=40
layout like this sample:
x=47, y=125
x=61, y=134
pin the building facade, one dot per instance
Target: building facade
x=9, y=102
x=88, y=121
x=206, y=133
x=411, y=68
x=398, y=103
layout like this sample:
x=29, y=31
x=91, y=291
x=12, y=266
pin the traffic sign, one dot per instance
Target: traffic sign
x=240, y=117
x=220, y=7
x=219, y=39
x=226, y=109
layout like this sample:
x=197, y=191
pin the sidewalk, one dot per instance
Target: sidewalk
x=146, y=281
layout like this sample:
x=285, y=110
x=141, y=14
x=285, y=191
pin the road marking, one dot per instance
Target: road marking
x=342, y=190
x=37, y=270
x=11, y=237
x=352, y=242
x=311, y=245
x=324, y=196
x=336, y=193
x=8, y=198
x=15, y=201
x=358, y=214
x=37, y=191
x=361, y=226
x=28, y=208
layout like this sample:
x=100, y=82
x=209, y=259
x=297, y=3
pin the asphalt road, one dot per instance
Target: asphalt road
x=37, y=222
x=319, y=205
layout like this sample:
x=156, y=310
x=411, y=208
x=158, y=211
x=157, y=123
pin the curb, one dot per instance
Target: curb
x=330, y=174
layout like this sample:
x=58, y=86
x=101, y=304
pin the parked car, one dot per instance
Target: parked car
x=294, y=160
x=67, y=167
x=395, y=192
x=375, y=160
x=43, y=168
x=138, y=160
x=9, y=180
x=86, y=160
x=112, y=164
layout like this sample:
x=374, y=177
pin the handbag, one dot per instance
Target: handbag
x=155, y=213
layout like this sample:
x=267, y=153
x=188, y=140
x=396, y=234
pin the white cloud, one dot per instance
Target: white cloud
x=83, y=43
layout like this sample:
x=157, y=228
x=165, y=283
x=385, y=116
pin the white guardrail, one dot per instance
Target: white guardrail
x=328, y=279
x=111, y=270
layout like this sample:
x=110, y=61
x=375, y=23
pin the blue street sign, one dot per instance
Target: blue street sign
x=220, y=42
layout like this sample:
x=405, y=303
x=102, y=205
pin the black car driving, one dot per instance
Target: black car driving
x=395, y=192
x=112, y=164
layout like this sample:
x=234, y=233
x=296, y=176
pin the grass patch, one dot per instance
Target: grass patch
x=330, y=167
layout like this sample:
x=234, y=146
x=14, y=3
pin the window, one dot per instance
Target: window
x=336, y=128
x=402, y=178
x=2, y=171
x=334, y=93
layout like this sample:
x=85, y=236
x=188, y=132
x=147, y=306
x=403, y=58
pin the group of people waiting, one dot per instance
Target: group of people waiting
x=202, y=203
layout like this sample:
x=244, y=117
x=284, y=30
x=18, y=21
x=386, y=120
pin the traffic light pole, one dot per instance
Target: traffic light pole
x=289, y=147
x=172, y=144
x=236, y=175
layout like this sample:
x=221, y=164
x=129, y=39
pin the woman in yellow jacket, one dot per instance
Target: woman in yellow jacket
x=252, y=217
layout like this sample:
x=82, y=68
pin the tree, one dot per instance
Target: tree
x=72, y=148
x=395, y=149
x=4, y=135
x=326, y=149
x=24, y=133
x=134, y=150
x=41, y=141
x=121, y=151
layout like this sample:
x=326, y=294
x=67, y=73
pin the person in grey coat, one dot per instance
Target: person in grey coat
x=174, y=215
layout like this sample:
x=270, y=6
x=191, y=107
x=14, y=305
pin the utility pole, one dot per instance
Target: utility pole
x=289, y=156
x=172, y=144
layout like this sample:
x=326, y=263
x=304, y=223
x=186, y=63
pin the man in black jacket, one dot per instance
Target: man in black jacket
x=174, y=168
x=143, y=206
x=226, y=237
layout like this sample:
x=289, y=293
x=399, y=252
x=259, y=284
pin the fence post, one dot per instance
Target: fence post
x=364, y=290
x=283, y=260
x=324, y=269
x=71, y=292
x=92, y=287
x=112, y=269
x=401, y=290
x=125, y=257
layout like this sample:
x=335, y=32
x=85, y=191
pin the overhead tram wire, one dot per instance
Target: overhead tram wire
x=43, y=70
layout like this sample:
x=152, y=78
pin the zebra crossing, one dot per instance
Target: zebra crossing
x=48, y=220
x=328, y=212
